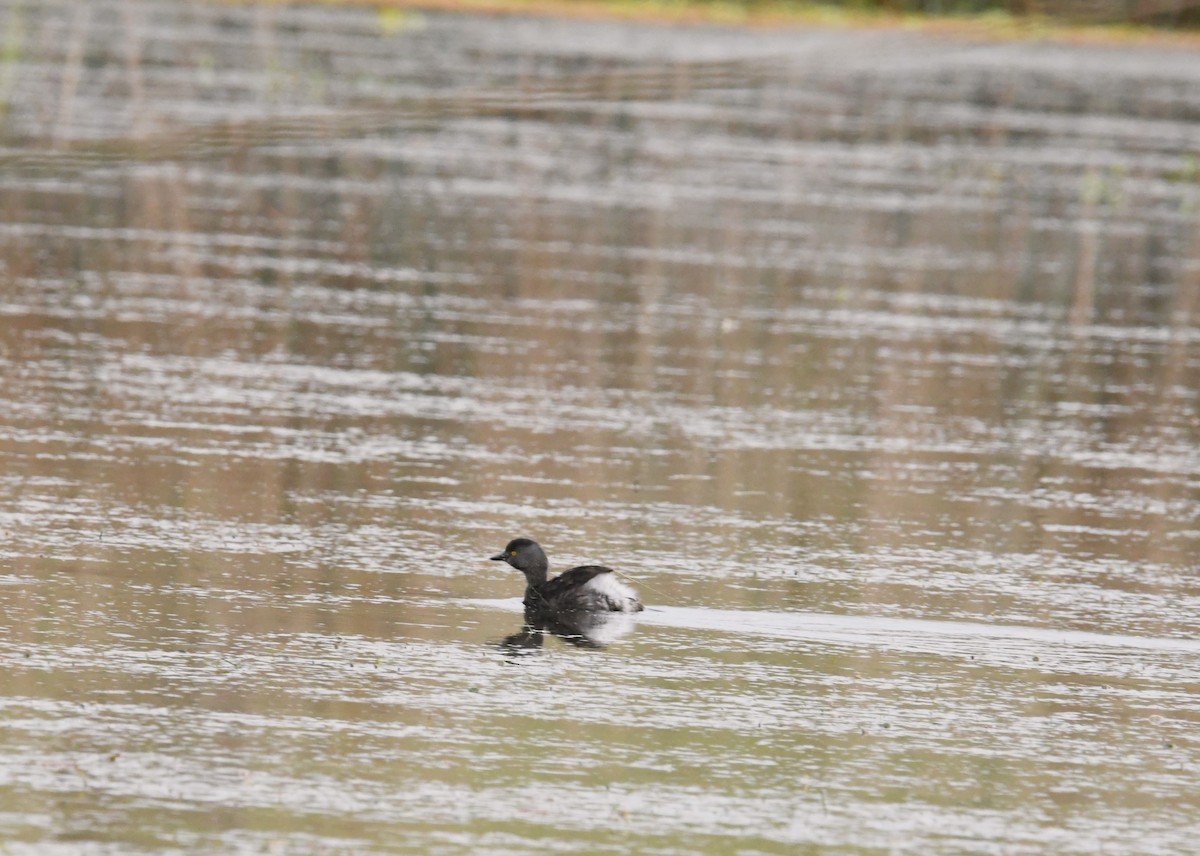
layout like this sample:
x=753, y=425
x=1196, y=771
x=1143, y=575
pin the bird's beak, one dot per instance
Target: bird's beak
x=499, y=558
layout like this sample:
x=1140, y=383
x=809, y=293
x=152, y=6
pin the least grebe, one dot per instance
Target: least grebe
x=590, y=588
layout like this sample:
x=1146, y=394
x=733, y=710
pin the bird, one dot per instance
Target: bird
x=588, y=588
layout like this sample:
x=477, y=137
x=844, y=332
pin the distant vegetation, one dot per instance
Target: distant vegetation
x=1157, y=13
x=1019, y=18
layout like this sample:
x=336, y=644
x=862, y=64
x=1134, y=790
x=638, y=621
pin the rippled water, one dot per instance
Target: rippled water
x=873, y=359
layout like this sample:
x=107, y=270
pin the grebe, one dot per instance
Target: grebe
x=589, y=588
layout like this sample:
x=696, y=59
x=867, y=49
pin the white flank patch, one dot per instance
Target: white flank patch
x=611, y=587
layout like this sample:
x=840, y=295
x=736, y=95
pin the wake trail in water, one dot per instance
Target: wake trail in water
x=895, y=633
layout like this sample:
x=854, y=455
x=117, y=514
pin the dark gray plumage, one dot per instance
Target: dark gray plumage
x=588, y=588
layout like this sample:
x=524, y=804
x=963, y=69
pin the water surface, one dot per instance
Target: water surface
x=873, y=359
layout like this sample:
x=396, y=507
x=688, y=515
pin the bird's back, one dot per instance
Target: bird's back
x=588, y=587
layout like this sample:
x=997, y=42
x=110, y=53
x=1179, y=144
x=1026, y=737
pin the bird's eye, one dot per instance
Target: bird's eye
x=513, y=553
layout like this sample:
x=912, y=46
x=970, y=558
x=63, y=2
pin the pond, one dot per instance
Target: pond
x=872, y=359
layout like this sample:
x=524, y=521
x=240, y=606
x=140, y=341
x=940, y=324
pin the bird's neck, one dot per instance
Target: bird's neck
x=536, y=576
x=537, y=570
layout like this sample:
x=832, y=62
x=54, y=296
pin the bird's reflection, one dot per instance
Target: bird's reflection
x=581, y=629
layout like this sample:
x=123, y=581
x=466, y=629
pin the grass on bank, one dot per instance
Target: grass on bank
x=997, y=24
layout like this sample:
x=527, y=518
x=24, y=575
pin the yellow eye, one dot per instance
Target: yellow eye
x=513, y=553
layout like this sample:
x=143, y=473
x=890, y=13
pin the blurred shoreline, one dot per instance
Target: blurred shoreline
x=993, y=25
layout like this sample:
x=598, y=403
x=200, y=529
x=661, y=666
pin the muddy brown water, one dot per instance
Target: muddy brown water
x=873, y=359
